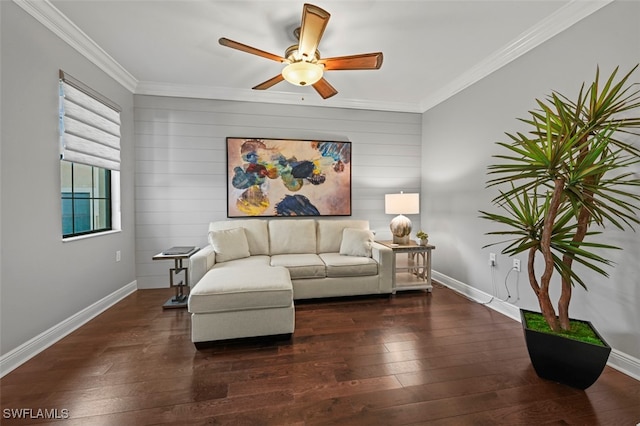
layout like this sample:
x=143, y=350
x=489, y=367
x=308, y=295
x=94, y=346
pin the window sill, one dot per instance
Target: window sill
x=97, y=234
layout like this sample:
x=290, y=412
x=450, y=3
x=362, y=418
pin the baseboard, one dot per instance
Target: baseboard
x=18, y=356
x=624, y=363
x=478, y=296
x=621, y=361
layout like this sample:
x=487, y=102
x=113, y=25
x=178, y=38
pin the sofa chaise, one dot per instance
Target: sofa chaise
x=245, y=281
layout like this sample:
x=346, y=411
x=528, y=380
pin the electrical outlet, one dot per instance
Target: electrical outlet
x=516, y=264
x=118, y=256
x=492, y=259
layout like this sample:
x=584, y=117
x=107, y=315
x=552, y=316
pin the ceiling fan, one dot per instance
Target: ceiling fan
x=304, y=65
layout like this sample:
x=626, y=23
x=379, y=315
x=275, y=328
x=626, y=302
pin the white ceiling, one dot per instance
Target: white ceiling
x=432, y=49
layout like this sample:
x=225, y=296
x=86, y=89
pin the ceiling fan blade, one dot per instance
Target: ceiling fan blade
x=366, y=61
x=314, y=21
x=271, y=82
x=248, y=49
x=324, y=89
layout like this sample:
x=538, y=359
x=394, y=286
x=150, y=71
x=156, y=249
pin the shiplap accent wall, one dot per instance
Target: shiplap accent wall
x=180, y=182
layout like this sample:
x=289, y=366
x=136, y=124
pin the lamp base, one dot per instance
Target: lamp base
x=403, y=241
x=401, y=229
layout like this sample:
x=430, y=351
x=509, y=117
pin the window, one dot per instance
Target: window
x=86, y=199
x=90, y=160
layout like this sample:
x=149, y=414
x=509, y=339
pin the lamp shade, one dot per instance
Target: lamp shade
x=302, y=73
x=402, y=203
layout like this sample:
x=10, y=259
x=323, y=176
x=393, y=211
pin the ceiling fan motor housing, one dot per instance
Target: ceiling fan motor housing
x=293, y=55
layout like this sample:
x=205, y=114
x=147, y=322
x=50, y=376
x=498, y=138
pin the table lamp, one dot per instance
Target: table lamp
x=401, y=204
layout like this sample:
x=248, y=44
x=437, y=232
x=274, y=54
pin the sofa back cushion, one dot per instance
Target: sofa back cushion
x=292, y=236
x=330, y=233
x=255, y=231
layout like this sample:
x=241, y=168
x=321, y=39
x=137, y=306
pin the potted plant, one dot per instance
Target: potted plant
x=423, y=237
x=569, y=173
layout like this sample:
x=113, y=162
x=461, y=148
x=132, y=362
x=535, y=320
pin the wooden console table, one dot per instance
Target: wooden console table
x=415, y=274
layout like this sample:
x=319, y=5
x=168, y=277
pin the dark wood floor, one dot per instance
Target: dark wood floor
x=413, y=358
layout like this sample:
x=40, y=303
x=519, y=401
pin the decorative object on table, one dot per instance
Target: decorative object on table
x=568, y=173
x=178, y=250
x=278, y=177
x=401, y=204
x=304, y=65
x=423, y=237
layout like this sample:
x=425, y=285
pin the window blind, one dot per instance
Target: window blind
x=89, y=126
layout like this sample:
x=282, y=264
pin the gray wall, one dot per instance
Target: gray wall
x=46, y=281
x=459, y=135
x=181, y=164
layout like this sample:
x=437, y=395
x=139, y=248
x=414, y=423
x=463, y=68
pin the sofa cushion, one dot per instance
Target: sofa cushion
x=348, y=266
x=255, y=230
x=301, y=266
x=292, y=236
x=230, y=289
x=229, y=244
x=356, y=242
x=247, y=262
x=330, y=233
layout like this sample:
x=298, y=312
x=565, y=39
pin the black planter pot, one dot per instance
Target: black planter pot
x=567, y=361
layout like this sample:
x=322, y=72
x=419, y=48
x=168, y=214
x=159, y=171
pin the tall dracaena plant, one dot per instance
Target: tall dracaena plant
x=569, y=172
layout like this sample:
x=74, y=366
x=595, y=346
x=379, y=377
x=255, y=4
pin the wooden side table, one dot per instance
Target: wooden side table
x=178, y=255
x=416, y=274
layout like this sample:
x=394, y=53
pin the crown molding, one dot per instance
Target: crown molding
x=272, y=96
x=563, y=18
x=58, y=23
x=49, y=16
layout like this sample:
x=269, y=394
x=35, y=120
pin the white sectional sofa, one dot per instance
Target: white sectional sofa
x=245, y=281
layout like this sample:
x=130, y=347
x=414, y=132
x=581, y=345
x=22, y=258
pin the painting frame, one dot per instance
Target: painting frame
x=270, y=177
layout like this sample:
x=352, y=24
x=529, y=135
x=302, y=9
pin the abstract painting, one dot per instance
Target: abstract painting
x=281, y=177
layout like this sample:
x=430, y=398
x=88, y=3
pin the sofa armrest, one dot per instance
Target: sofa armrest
x=384, y=256
x=200, y=263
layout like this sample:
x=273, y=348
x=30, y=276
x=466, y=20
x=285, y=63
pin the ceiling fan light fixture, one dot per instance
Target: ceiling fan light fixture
x=302, y=73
